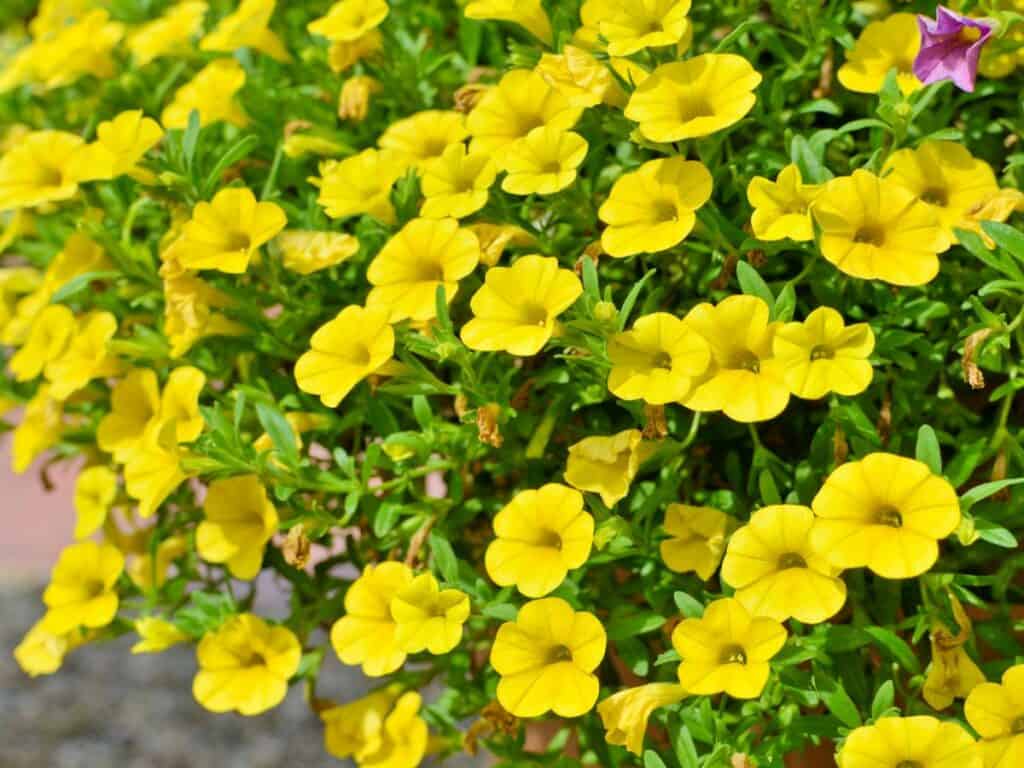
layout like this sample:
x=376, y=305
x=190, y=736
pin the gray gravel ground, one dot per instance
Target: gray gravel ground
x=108, y=709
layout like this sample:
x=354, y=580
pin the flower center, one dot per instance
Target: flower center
x=359, y=354
x=534, y=314
x=889, y=515
x=662, y=360
x=429, y=272
x=733, y=654
x=869, y=235
x=665, y=210
x=745, y=360
x=93, y=588
x=792, y=560
x=969, y=35
x=935, y=196
x=551, y=539
x=249, y=658
x=559, y=653
x=237, y=241
x=690, y=108
x=1018, y=725
x=433, y=147
x=821, y=352
x=49, y=177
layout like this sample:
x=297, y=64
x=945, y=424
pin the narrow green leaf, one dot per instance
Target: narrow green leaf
x=928, y=450
x=280, y=432
x=590, y=282
x=634, y=294
x=896, y=646
x=651, y=759
x=883, y=701
x=754, y=285
x=983, y=491
x=841, y=705
x=444, y=557
x=79, y=282
x=995, y=534
x=1006, y=237
x=684, y=748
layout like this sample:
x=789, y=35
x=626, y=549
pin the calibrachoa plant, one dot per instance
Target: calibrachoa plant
x=611, y=382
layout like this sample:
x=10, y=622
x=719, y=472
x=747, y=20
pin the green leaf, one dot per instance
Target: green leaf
x=421, y=410
x=883, y=701
x=77, y=283
x=690, y=607
x=634, y=294
x=841, y=705
x=769, y=490
x=809, y=161
x=753, y=285
x=386, y=518
x=928, y=450
x=501, y=611
x=280, y=432
x=590, y=282
x=683, y=746
x=441, y=305
x=190, y=140
x=1006, y=237
x=994, y=534
x=237, y=151
x=896, y=646
x=638, y=624
x=983, y=491
x=785, y=304
x=651, y=759
x=444, y=557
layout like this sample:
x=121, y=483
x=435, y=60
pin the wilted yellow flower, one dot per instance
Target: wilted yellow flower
x=227, y=232
x=38, y=170
x=424, y=135
x=344, y=54
x=156, y=635
x=350, y=19
x=697, y=539
x=516, y=307
x=428, y=618
x=782, y=207
x=542, y=162
x=997, y=206
x=658, y=360
x=360, y=184
x=308, y=251
x=239, y=521
x=744, y=379
x=247, y=27
x=368, y=634
x=376, y=737
x=424, y=254
x=546, y=659
x=822, y=355
x=343, y=352
x=520, y=102
x=727, y=650
x=944, y=176
x=495, y=238
x=354, y=98
x=86, y=357
x=95, y=491
x=920, y=741
x=582, y=79
x=540, y=536
x=245, y=666
x=605, y=465
x=79, y=49
x=654, y=207
x=625, y=714
x=886, y=513
x=693, y=98
x=153, y=472
x=890, y=43
x=996, y=712
x=120, y=144
x=456, y=184
x=211, y=93
x=529, y=14
x=189, y=313
x=168, y=35
x=82, y=585
x=40, y=429
x=952, y=674
x=47, y=339
x=633, y=25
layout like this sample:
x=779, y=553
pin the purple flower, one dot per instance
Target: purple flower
x=950, y=47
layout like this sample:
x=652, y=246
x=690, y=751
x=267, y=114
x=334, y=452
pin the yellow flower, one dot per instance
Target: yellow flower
x=886, y=513
x=354, y=99
x=38, y=169
x=245, y=666
x=343, y=352
x=952, y=674
x=42, y=652
x=529, y=14
x=87, y=356
x=605, y=465
x=997, y=206
x=697, y=537
x=189, y=313
x=211, y=93
x=777, y=573
x=546, y=659
x=79, y=49
x=15, y=282
x=495, y=238
x=782, y=207
x=520, y=102
x=653, y=208
x=227, y=232
x=375, y=737
x=404, y=738
x=350, y=19
x=40, y=429
x=874, y=228
x=308, y=251
x=424, y=136
x=890, y=43
x=180, y=402
x=424, y=254
x=79, y=255
x=120, y=144
x=156, y=635
x=540, y=536
x=153, y=471
x=634, y=25
x=150, y=572
x=625, y=714
x=583, y=80
x=744, y=379
x=300, y=422
x=95, y=491
x=134, y=404
x=456, y=184
x=996, y=712
x=247, y=27
x=367, y=634
x=542, y=162
x=822, y=355
x=345, y=54
x=82, y=590
x=428, y=618
x=301, y=144
x=168, y=35
x=910, y=741
x=360, y=184
x=727, y=650
x=53, y=15
x=239, y=521
x=944, y=176
x=693, y=98
x=657, y=361
x=515, y=309
x=47, y=339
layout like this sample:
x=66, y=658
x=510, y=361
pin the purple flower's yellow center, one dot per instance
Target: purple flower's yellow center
x=534, y=314
x=693, y=106
x=559, y=653
x=870, y=234
x=935, y=196
x=733, y=654
x=889, y=515
x=821, y=352
x=744, y=360
x=1017, y=726
x=237, y=241
x=550, y=539
x=968, y=35
x=792, y=560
